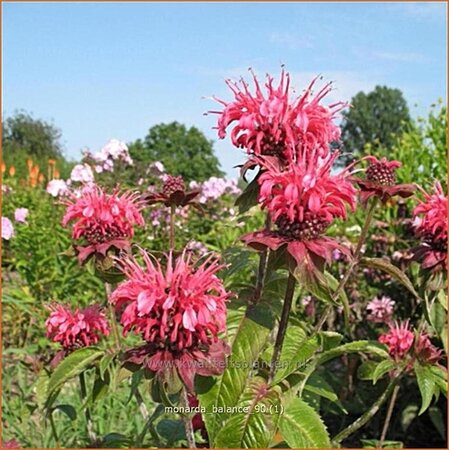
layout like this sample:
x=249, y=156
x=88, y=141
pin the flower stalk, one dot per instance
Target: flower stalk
x=89, y=423
x=190, y=434
x=115, y=331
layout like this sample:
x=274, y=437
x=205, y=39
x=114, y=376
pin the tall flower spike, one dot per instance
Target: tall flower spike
x=273, y=124
x=102, y=220
x=430, y=224
x=380, y=181
x=179, y=312
x=303, y=201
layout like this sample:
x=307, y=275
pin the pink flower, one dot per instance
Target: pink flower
x=102, y=220
x=380, y=181
x=179, y=312
x=273, y=124
x=173, y=193
x=430, y=224
x=380, y=309
x=7, y=229
x=75, y=329
x=12, y=443
x=399, y=339
x=20, y=215
x=57, y=188
x=425, y=351
x=303, y=201
x=82, y=173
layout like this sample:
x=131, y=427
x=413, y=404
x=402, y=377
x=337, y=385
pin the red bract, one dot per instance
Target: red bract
x=430, y=224
x=179, y=312
x=102, y=220
x=173, y=193
x=75, y=329
x=425, y=351
x=380, y=181
x=273, y=124
x=303, y=201
x=399, y=340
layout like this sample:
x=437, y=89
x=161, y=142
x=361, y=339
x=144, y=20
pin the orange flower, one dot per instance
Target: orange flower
x=41, y=178
x=29, y=164
x=51, y=162
x=12, y=171
x=56, y=174
x=3, y=167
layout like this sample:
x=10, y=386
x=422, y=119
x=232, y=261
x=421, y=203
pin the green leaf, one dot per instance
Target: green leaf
x=248, y=198
x=330, y=339
x=302, y=427
x=426, y=384
x=115, y=440
x=374, y=443
x=41, y=387
x=320, y=386
x=255, y=425
x=440, y=378
x=68, y=410
x=171, y=430
x=382, y=368
x=386, y=266
x=366, y=370
x=438, y=422
x=105, y=362
x=296, y=351
x=71, y=366
x=249, y=341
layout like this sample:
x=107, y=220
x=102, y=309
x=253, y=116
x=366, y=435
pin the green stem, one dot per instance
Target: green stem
x=262, y=271
x=388, y=417
x=53, y=431
x=89, y=424
x=368, y=415
x=355, y=260
x=289, y=291
x=190, y=434
x=114, y=325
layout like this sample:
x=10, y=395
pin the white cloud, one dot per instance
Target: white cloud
x=292, y=41
x=407, y=57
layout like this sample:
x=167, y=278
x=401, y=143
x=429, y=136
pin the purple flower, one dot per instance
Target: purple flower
x=20, y=215
x=7, y=229
x=380, y=309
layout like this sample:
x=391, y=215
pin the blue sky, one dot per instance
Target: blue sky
x=104, y=70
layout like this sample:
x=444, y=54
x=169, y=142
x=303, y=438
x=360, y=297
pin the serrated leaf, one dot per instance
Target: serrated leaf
x=440, y=378
x=68, y=410
x=320, y=386
x=250, y=339
x=330, y=339
x=256, y=425
x=105, y=362
x=41, y=387
x=382, y=368
x=426, y=384
x=386, y=266
x=302, y=427
x=71, y=366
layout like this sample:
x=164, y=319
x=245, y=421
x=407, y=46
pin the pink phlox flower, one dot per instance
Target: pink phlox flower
x=7, y=229
x=20, y=215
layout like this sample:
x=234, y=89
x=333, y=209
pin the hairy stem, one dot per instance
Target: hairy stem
x=114, y=326
x=289, y=291
x=388, y=417
x=368, y=415
x=262, y=271
x=190, y=434
x=89, y=423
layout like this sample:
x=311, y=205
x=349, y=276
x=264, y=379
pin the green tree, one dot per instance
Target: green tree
x=25, y=137
x=183, y=151
x=374, y=118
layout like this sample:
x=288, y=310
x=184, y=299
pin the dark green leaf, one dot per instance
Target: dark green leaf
x=248, y=198
x=426, y=384
x=68, y=410
x=382, y=368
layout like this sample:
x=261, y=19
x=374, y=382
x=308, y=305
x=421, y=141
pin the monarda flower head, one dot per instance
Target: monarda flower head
x=75, y=329
x=273, y=124
x=430, y=224
x=179, y=311
x=399, y=340
x=380, y=181
x=102, y=220
x=303, y=201
x=380, y=309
